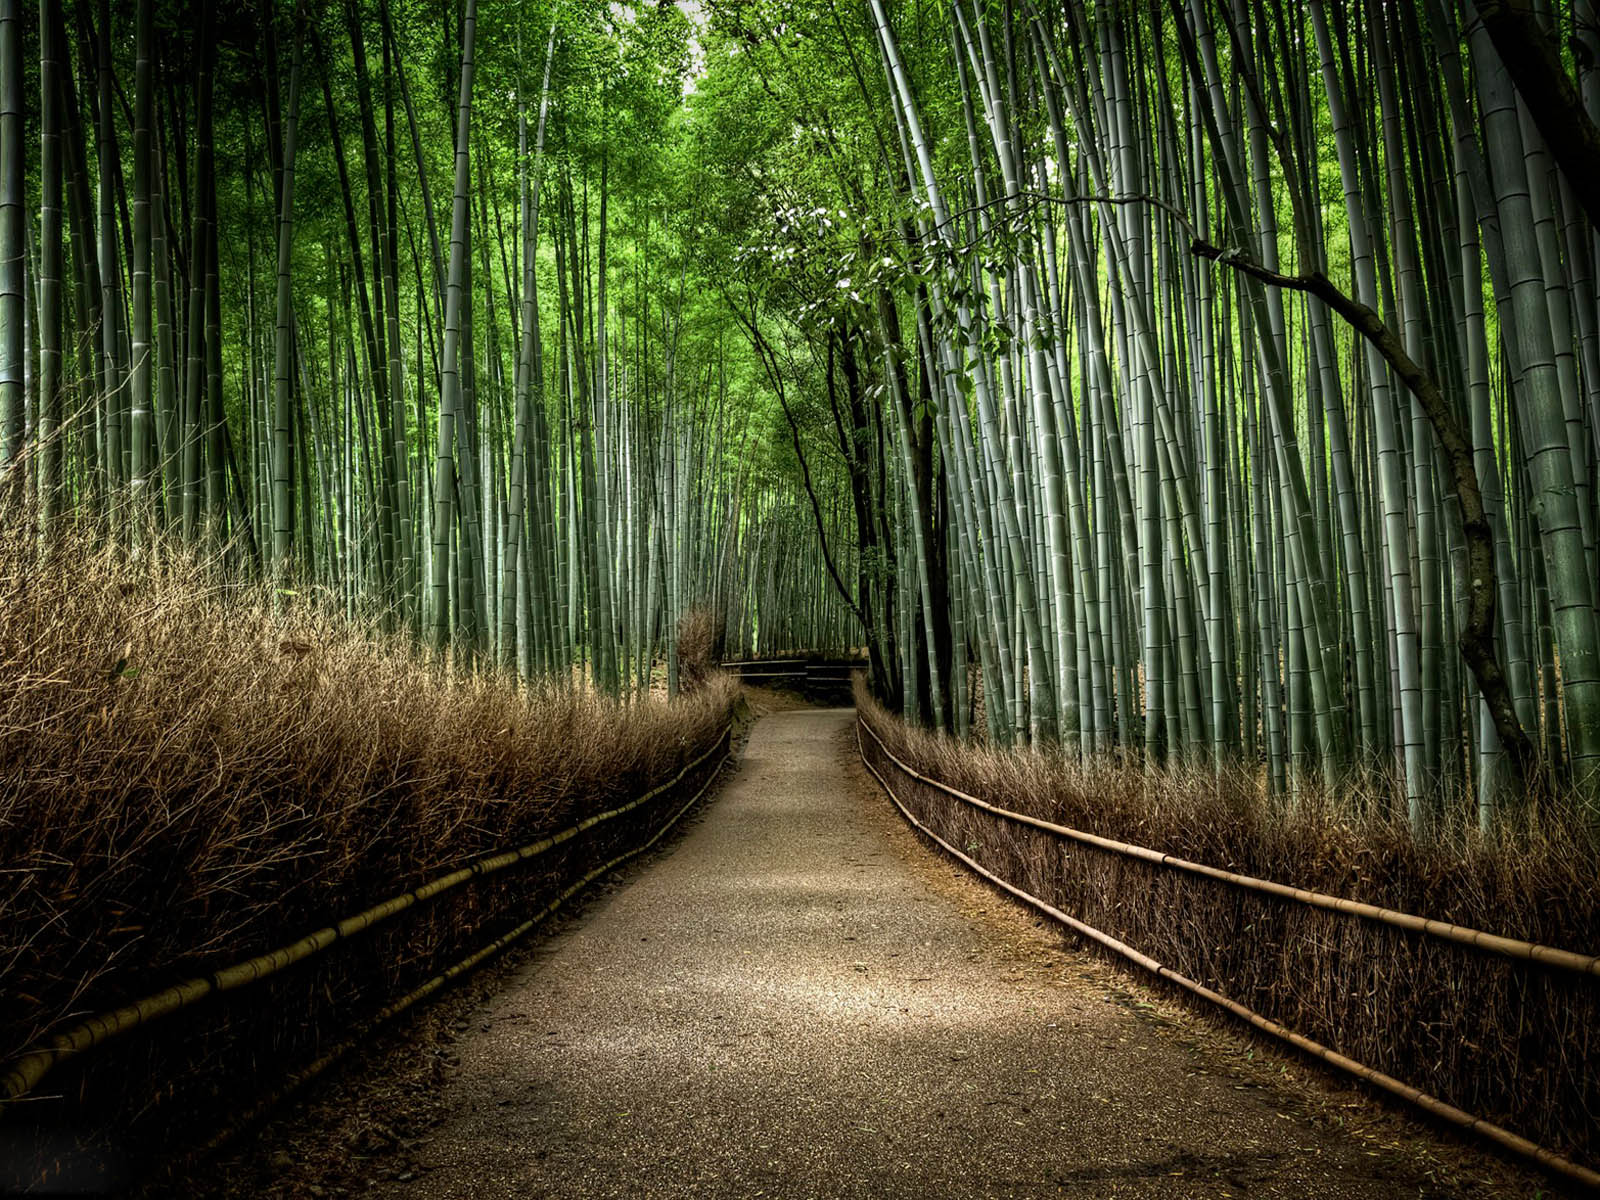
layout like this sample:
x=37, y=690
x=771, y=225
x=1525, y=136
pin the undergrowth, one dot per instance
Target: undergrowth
x=193, y=770
x=1515, y=1042
x=697, y=649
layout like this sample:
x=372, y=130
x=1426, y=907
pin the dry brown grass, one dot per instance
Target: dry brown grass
x=190, y=774
x=697, y=648
x=1512, y=1042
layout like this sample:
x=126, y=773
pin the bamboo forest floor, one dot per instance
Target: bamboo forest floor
x=801, y=999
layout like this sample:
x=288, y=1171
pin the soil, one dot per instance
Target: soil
x=800, y=998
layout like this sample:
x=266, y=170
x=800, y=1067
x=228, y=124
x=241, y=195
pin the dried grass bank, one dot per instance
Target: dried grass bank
x=193, y=774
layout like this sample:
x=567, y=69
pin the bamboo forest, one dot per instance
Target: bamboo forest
x=417, y=416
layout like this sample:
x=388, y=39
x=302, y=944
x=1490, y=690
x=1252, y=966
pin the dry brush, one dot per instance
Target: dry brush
x=196, y=770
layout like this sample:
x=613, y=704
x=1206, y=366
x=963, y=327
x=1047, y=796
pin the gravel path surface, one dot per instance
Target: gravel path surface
x=800, y=1000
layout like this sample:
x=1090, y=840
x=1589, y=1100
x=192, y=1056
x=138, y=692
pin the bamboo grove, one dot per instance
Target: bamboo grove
x=1211, y=382
x=325, y=285
x=1241, y=366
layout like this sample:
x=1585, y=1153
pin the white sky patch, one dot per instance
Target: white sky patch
x=697, y=54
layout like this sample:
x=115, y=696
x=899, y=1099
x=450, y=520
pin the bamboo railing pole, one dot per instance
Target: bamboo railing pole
x=26, y=1072
x=298, y=1079
x=1493, y=943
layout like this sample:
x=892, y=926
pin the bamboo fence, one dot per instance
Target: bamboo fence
x=27, y=1071
x=1489, y=943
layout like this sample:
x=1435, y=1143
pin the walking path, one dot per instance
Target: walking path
x=799, y=1000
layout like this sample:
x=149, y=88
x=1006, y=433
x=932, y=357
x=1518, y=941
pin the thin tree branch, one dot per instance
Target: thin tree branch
x=1476, y=638
x=769, y=362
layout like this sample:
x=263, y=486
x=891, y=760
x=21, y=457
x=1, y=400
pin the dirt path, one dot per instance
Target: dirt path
x=800, y=1000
